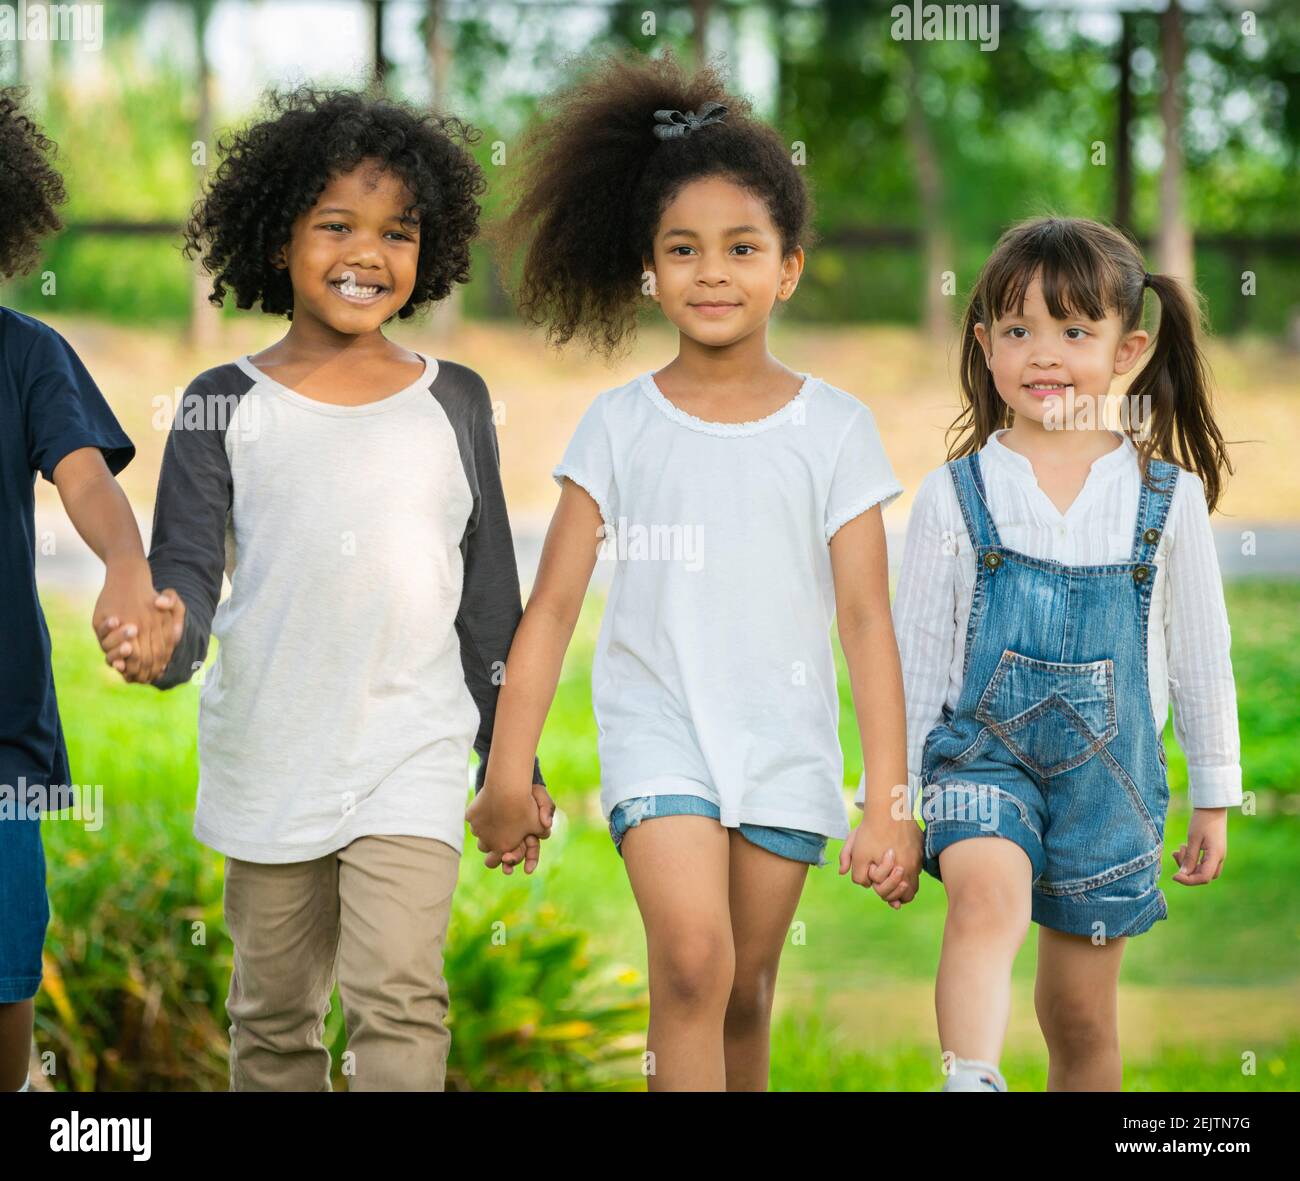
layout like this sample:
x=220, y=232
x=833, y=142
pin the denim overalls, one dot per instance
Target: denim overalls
x=1052, y=744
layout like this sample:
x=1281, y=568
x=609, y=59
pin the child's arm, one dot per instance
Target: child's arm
x=75, y=442
x=1203, y=690
x=490, y=609
x=187, y=549
x=925, y=607
x=886, y=848
x=101, y=514
x=504, y=812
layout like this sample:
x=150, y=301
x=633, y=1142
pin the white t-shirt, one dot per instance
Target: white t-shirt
x=713, y=673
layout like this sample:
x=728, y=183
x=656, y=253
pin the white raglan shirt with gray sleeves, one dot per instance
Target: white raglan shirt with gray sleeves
x=373, y=598
x=713, y=674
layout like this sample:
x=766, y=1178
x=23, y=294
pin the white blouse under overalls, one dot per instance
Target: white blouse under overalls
x=1188, y=640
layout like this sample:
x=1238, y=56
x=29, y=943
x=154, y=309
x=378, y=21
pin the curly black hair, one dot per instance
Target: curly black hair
x=276, y=168
x=30, y=186
x=593, y=180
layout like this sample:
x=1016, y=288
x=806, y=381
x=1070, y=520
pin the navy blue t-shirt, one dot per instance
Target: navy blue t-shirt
x=49, y=406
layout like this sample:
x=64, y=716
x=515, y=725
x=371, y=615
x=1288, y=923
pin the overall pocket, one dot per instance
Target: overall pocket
x=1053, y=717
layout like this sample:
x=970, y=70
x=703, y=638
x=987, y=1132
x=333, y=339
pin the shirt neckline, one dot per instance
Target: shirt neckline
x=421, y=383
x=1024, y=470
x=676, y=414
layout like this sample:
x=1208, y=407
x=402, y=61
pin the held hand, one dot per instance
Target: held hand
x=1207, y=838
x=530, y=851
x=502, y=817
x=136, y=626
x=141, y=653
x=887, y=857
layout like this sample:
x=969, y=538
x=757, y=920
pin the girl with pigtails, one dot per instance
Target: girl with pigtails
x=1059, y=586
x=743, y=501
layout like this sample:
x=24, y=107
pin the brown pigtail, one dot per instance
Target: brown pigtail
x=1175, y=385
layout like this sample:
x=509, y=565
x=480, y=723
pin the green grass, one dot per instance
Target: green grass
x=808, y=1054
x=138, y=886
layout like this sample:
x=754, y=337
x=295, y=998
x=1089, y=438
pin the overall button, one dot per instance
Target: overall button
x=993, y=560
x=1151, y=536
x=1141, y=573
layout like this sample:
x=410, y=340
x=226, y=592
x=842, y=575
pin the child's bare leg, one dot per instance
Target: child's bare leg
x=765, y=891
x=988, y=880
x=1076, y=995
x=15, y=1043
x=678, y=868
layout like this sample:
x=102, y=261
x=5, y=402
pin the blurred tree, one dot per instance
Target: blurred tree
x=204, y=318
x=1174, y=244
x=906, y=143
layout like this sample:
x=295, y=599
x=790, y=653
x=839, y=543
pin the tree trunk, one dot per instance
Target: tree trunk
x=379, y=64
x=205, y=323
x=1123, y=126
x=936, y=240
x=1174, y=240
x=439, y=52
x=445, y=317
x=701, y=10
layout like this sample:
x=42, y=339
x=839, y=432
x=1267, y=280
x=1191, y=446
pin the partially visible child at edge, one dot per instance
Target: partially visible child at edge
x=374, y=590
x=55, y=422
x=713, y=683
x=1036, y=716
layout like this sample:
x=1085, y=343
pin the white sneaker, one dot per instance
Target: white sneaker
x=970, y=1074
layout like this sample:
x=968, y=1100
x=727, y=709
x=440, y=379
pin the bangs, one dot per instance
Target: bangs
x=1078, y=277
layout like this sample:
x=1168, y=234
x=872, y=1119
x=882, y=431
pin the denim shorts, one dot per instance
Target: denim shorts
x=791, y=843
x=24, y=908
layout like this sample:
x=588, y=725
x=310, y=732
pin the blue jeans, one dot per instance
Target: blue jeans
x=1052, y=743
x=24, y=908
x=791, y=843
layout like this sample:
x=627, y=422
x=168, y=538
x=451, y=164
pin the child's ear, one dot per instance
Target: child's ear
x=1130, y=349
x=791, y=269
x=981, y=334
x=280, y=259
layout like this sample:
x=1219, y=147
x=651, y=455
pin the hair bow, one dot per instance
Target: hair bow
x=676, y=125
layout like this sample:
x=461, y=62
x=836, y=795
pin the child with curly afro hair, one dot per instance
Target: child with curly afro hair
x=356, y=487
x=742, y=503
x=31, y=188
x=54, y=422
x=276, y=171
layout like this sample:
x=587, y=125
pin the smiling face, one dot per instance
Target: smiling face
x=1044, y=367
x=718, y=263
x=352, y=257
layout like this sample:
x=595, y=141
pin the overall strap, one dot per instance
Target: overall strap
x=1153, y=508
x=969, y=483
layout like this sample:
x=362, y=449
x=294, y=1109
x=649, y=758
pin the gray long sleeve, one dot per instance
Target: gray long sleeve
x=187, y=550
x=490, y=607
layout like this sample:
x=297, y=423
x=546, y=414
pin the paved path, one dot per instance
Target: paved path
x=1245, y=551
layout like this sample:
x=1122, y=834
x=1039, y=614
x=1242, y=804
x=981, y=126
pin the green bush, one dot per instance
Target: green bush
x=136, y=960
x=137, y=963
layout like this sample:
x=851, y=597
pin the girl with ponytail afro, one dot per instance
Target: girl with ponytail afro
x=597, y=172
x=741, y=503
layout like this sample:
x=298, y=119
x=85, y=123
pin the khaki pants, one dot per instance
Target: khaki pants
x=376, y=910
